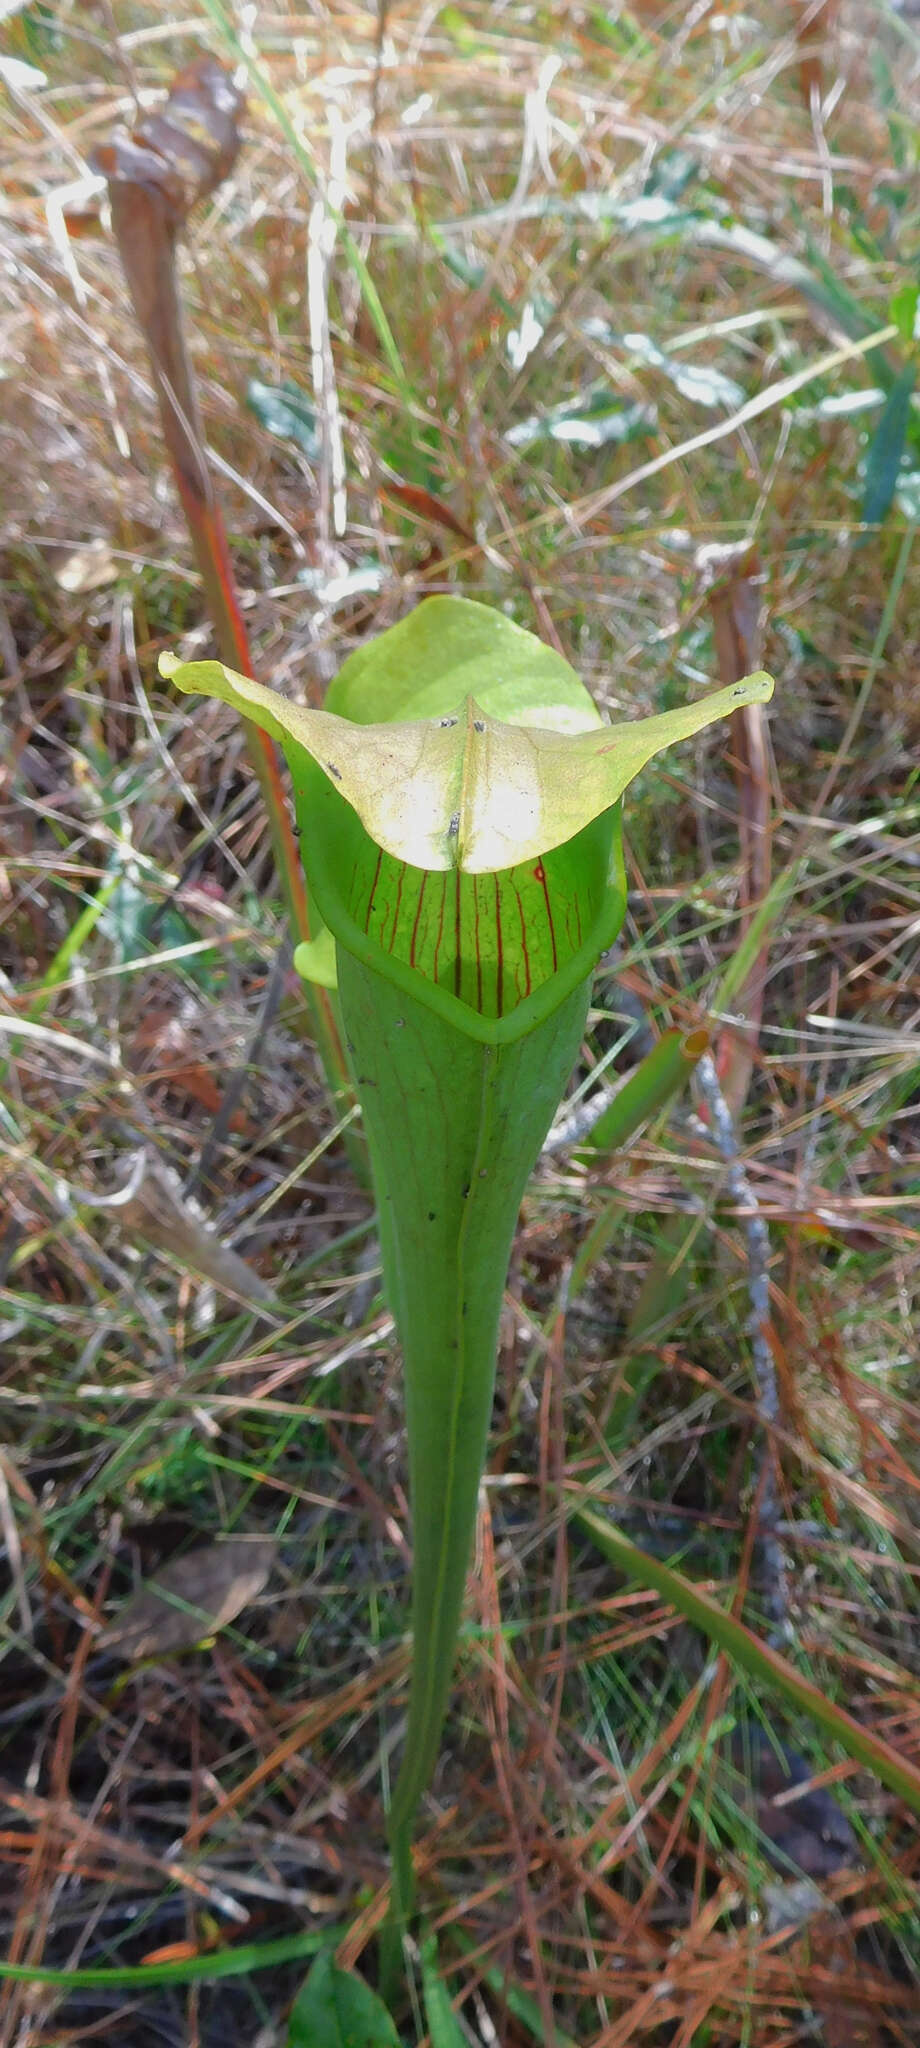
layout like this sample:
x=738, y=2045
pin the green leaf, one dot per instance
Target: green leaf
x=907, y=495
x=286, y=411
x=487, y=794
x=671, y=173
x=902, y=311
x=335, y=590
x=336, y=2009
x=473, y=275
x=443, y=2025
x=886, y=448
x=842, y=405
x=607, y=416
x=453, y=21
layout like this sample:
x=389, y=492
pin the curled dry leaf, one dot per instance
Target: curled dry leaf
x=158, y=1211
x=183, y=151
x=191, y=1597
x=155, y=175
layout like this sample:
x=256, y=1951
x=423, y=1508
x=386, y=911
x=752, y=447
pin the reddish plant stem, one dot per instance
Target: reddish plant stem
x=145, y=225
x=212, y=554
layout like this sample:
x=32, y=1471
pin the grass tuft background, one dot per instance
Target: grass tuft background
x=606, y=316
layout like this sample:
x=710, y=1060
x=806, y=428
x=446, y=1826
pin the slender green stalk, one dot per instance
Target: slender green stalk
x=81, y=930
x=259, y=77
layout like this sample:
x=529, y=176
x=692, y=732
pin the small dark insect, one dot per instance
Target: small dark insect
x=479, y=725
x=454, y=826
x=333, y=770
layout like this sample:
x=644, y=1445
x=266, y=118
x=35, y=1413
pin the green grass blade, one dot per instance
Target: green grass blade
x=656, y=1080
x=227, y=1962
x=886, y=451
x=443, y=2025
x=763, y=1664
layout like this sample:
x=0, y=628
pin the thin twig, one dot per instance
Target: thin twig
x=578, y=1125
x=757, y=1235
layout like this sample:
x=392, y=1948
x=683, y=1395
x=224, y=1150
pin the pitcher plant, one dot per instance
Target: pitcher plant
x=459, y=808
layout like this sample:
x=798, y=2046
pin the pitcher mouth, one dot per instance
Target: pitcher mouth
x=492, y=954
